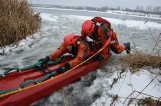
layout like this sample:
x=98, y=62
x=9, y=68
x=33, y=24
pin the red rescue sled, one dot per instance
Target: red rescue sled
x=33, y=92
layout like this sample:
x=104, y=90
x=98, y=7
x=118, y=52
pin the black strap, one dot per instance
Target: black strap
x=91, y=45
x=106, y=36
x=86, y=50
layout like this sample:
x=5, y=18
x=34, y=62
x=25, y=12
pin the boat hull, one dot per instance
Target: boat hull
x=28, y=96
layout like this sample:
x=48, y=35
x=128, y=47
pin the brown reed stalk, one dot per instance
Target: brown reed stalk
x=139, y=59
x=17, y=20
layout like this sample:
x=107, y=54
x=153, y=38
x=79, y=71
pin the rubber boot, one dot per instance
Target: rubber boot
x=127, y=47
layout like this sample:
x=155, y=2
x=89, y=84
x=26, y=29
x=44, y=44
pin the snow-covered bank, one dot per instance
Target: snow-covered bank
x=94, y=88
x=129, y=85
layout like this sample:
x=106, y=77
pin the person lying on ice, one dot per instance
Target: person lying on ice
x=73, y=45
x=99, y=30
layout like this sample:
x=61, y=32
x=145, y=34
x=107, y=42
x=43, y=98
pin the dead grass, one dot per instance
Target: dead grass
x=139, y=60
x=149, y=102
x=17, y=20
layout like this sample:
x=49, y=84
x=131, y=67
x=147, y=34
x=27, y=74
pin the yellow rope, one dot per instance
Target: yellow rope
x=9, y=93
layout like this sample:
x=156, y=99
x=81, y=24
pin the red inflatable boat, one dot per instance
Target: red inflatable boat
x=25, y=87
x=22, y=88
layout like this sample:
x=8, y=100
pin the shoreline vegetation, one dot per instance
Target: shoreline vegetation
x=17, y=20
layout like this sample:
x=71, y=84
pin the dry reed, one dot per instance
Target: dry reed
x=149, y=102
x=17, y=20
x=139, y=60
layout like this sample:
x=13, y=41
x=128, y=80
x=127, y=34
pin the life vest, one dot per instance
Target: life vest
x=100, y=20
x=105, y=26
x=87, y=44
x=74, y=50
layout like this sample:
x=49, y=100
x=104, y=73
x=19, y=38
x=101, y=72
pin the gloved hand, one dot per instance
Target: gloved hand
x=45, y=60
x=98, y=57
x=63, y=69
x=127, y=47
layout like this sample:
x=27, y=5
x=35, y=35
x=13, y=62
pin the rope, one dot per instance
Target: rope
x=45, y=81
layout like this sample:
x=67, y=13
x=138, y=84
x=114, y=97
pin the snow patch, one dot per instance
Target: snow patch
x=128, y=83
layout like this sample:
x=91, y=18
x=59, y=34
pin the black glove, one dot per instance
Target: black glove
x=45, y=60
x=127, y=47
x=98, y=57
x=63, y=69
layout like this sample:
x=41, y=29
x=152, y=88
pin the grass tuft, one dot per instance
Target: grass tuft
x=17, y=20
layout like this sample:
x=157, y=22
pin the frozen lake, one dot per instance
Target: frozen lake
x=55, y=25
x=93, y=13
